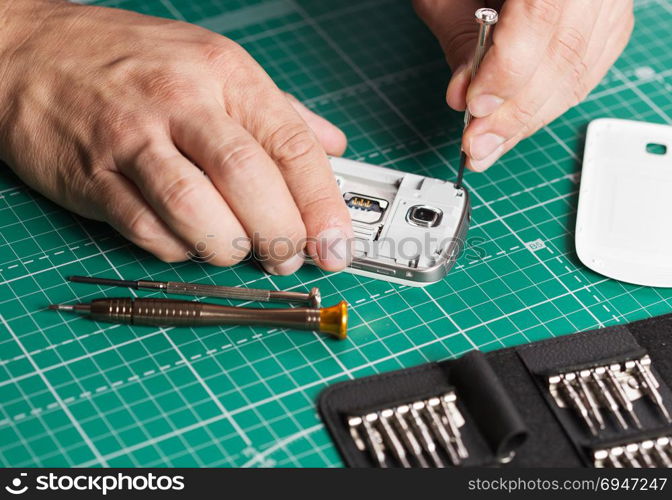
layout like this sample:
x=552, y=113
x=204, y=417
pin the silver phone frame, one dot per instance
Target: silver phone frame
x=417, y=277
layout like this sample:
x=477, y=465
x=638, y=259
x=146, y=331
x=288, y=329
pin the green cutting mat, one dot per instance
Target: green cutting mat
x=77, y=393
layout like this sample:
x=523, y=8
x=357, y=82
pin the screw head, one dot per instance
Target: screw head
x=486, y=16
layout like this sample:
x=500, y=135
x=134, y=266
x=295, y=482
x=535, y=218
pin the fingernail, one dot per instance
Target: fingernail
x=487, y=162
x=484, y=105
x=482, y=146
x=289, y=266
x=333, y=249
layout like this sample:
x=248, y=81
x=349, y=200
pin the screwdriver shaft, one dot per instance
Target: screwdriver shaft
x=486, y=19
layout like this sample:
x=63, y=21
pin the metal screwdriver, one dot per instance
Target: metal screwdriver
x=311, y=298
x=332, y=321
x=486, y=18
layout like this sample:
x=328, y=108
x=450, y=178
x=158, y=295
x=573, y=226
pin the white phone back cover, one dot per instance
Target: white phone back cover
x=624, y=220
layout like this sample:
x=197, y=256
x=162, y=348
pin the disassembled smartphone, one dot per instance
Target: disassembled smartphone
x=409, y=229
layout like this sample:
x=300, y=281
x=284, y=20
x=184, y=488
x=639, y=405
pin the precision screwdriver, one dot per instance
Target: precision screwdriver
x=486, y=18
x=312, y=298
x=332, y=321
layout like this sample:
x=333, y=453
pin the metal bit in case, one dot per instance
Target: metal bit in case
x=423, y=433
x=648, y=453
x=609, y=390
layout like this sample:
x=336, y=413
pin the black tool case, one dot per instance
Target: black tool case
x=511, y=418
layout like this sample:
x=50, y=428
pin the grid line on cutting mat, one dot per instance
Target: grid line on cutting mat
x=73, y=392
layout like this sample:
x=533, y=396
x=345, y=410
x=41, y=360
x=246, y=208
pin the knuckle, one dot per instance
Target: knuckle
x=570, y=46
x=215, y=50
x=320, y=201
x=179, y=194
x=579, y=91
x=545, y=11
x=227, y=58
x=238, y=154
x=166, y=83
x=292, y=143
x=521, y=114
x=142, y=229
x=508, y=67
x=123, y=128
x=90, y=182
x=139, y=226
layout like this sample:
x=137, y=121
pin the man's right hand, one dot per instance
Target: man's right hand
x=117, y=116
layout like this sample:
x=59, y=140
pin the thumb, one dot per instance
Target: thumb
x=453, y=24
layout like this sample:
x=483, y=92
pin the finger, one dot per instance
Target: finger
x=453, y=25
x=308, y=174
x=519, y=42
x=122, y=206
x=188, y=203
x=452, y=22
x=619, y=28
x=610, y=36
x=564, y=68
x=332, y=138
x=250, y=182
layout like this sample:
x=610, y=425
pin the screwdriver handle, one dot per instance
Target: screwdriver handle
x=167, y=312
x=486, y=19
x=205, y=290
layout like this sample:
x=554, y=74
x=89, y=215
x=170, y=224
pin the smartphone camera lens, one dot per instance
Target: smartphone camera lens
x=424, y=216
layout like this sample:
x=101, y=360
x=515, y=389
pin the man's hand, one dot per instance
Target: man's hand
x=118, y=116
x=547, y=55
